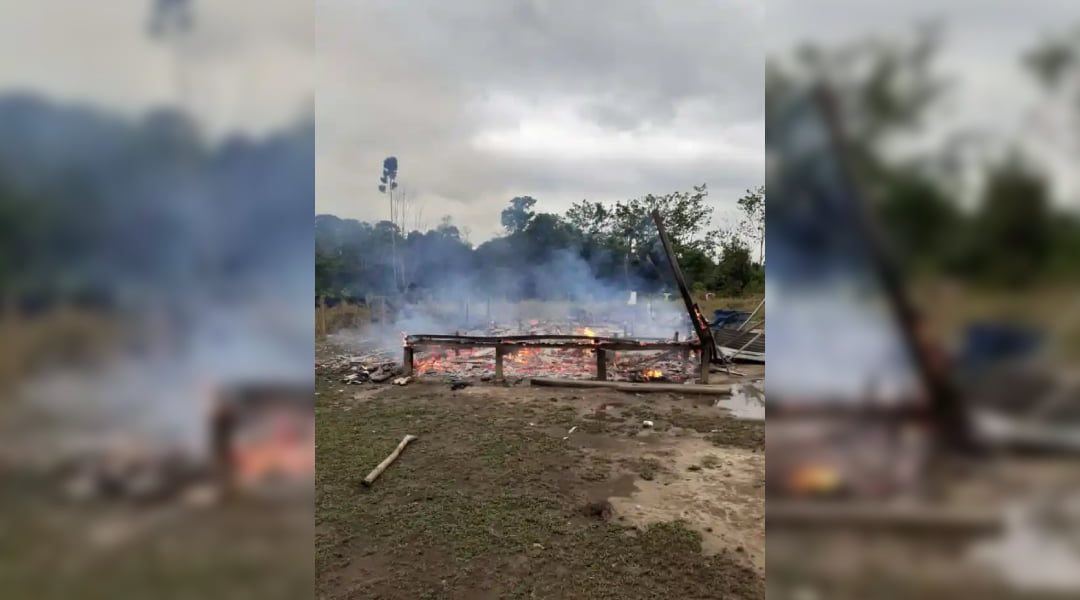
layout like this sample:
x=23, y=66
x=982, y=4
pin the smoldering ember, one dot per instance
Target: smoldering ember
x=597, y=418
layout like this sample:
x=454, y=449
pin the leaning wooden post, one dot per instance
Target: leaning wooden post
x=500, y=352
x=601, y=364
x=407, y=360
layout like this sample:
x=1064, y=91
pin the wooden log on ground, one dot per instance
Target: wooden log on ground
x=623, y=386
x=911, y=518
x=374, y=474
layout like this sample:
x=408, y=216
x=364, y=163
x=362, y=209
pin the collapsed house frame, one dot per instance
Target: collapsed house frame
x=705, y=344
x=508, y=345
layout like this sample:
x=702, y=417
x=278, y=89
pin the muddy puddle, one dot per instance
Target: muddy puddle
x=747, y=401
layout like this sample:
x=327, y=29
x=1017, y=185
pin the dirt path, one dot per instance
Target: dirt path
x=492, y=502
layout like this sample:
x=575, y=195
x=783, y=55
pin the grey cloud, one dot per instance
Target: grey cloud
x=420, y=80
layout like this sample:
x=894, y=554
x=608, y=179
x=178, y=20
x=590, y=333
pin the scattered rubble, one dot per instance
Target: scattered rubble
x=131, y=472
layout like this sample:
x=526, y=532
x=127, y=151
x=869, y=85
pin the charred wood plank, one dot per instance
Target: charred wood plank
x=622, y=386
x=908, y=518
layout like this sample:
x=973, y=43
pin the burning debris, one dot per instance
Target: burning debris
x=131, y=472
x=263, y=437
x=261, y=440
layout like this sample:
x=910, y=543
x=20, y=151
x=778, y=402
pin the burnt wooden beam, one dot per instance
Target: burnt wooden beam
x=614, y=345
x=420, y=337
x=908, y=518
x=948, y=405
x=701, y=326
x=408, y=354
x=625, y=386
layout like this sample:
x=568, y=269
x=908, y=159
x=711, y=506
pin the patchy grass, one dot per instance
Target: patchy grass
x=647, y=468
x=739, y=434
x=484, y=505
x=746, y=303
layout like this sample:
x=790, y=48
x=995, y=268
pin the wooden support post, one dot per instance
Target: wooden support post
x=321, y=323
x=601, y=364
x=500, y=351
x=407, y=360
x=706, y=361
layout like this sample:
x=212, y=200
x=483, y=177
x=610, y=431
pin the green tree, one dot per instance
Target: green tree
x=591, y=218
x=517, y=216
x=923, y=223
x=1013, y=225
x=752, y=225
x=387, y=184
x=735, y=271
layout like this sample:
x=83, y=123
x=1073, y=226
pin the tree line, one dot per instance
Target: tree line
x=593, y=249
x=1004, y=231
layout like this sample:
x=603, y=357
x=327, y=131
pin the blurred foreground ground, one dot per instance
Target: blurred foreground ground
x=185, y=549
x=1033, y=495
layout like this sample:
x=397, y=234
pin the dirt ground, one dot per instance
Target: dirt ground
x=497, y=499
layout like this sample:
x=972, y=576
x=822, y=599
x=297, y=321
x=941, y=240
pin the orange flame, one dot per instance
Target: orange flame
x=588, y=332
x=652, y=373
x=815, y=479
x=287, y=449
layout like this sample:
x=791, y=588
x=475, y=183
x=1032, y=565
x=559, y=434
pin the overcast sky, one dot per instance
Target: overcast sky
x=244, y=65
x=482, y=101
x=983, y=42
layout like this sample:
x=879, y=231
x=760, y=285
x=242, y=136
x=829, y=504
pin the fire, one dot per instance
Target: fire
x=815, y=479
x=286, y=447
x=585, y=331
x=652, y=374
x=522, y=355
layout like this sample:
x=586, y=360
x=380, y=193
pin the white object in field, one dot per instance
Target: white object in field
x=667, y=296
x=633, y=299
x=647, y=423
